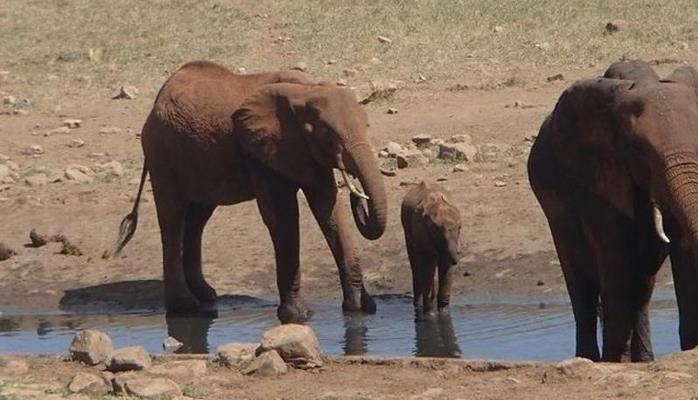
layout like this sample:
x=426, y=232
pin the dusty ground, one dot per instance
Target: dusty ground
x=506, y=246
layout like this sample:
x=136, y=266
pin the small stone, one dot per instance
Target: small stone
x=112, y=167
x=428, y=153
x=393, y=149
x=5, y=252
x=331, y=61
x=615, y=26
x=540, y=283
x=126, y=93
x=392, y=110
x=421, y=78
x=5, y=171
x=7, y=180
x=341, y=82
x=152, y=388
x=499, y=183
x=268, y=363
x=58, y=131
x=413, y=158
x=37, y=180
x=84, y=382
x=34, y=149
x=455, y=151
x=383, y=154
x=296, y=344
x=37, y=239
x=128, y=359
x=74, y=173
x=236, y=355
x=350, y=72
x=180, y=369
x=300, y=66
x=109, y=130
x=91, y=347
x=460, y=168
x=20, y=112
x=421, y=141
x=76, y=143
x=556, y=77
x=498, y=29
x=384, y=39
x=442, y=179
x=381, y=89
x=9, y=100
x=171, y=344
x=462, y=138
x=72, y=123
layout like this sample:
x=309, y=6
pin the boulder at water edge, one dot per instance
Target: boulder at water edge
x=91, y=347
x=296, y=344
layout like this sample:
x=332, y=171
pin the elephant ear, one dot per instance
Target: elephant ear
x=269, y=132
x=585, y=131
x=686, y=75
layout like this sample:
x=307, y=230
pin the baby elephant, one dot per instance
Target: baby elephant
x=432, y=227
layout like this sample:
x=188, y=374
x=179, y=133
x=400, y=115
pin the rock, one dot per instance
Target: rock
x=421, y=78
x=58, y=131
x=268, y=363
x=350, y=72
x=126, y=93
x=462, y=138
x=300, y=66
x=12, y=165
x=576, y=366
x=421, y=141
x=457, y=151
x=37, y=180
x=236, y=354
x=88, y=383
x=37, y=239
x=296, y=344
x=109, y=130
x=5, y=252
x=499, y=183
x=413, y=159
x=460, y=168
x=152, y=388
x=380, y=89
x=72, y=123
x=79, y=173
x=10, y=367
x=112, y=167
x=393, y=149
x=180, y=369
x=384, y=39
x=9, y=100
x=76, y=143
x=341, y=82
x=91, y=347
x=556, y=77
x=615, y=26
x=392, y=110
x=20, y=112
x=428, y=153
x=171, y=344
x=8, y=180
x=542, y=46
x=33, y=149
x=498, y=29
x=383, y=154
x=128, y=359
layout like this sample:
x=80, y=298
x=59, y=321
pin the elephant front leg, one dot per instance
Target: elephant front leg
x=278, y=205
x=332, y=220
x=445, y=284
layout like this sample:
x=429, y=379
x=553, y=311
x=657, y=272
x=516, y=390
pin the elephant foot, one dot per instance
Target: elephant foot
x=182, y=305
x=294, y=312
x=204, y=292
x=366, y=304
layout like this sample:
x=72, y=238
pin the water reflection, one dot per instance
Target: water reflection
x=191, y=331
x=435, y=336
x=355, y=330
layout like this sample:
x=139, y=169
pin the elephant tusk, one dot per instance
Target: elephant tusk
x=659, y=225
x=351, y=186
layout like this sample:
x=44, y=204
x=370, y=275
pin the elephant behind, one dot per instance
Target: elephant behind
x=218, y=138
x=615, y=170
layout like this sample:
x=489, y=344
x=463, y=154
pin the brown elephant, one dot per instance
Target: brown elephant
x=218, y=138
x=432, y=229
x=615, y=169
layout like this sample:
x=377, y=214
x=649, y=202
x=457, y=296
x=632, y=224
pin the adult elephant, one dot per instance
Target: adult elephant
x=217, y=138
x=615, y=169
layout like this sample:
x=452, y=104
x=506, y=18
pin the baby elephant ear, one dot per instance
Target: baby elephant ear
x=585, y=130
x=268, y=132
x=686, y=75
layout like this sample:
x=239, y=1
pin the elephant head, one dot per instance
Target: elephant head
x=444, y=224
x=300, y=131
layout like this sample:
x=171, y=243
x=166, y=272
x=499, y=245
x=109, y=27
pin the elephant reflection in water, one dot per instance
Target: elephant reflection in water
x=355, y=332
x=192, y=332
x=435, y=336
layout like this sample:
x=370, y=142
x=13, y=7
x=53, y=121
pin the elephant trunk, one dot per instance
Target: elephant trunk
x=371, y=223
x=453, y=252
x=682, y=180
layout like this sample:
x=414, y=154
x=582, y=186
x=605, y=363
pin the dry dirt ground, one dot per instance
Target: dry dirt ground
x=506, y=246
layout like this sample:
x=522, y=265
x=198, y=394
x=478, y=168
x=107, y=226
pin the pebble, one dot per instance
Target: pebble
x=385, y=39
x=171, y=344
x=76, y=143
x=126, y=93
x=72, y=123
x=58, y=131
x=128, y=359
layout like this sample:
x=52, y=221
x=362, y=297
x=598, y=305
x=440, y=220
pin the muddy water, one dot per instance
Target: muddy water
x=521, y=331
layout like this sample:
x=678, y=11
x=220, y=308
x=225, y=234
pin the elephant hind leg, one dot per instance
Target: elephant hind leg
x=196, y=218
x=171, y=218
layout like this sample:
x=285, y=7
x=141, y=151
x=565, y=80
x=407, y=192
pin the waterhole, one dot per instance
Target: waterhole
x=523, y=331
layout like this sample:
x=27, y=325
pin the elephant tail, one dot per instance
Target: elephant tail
x=130, y=222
